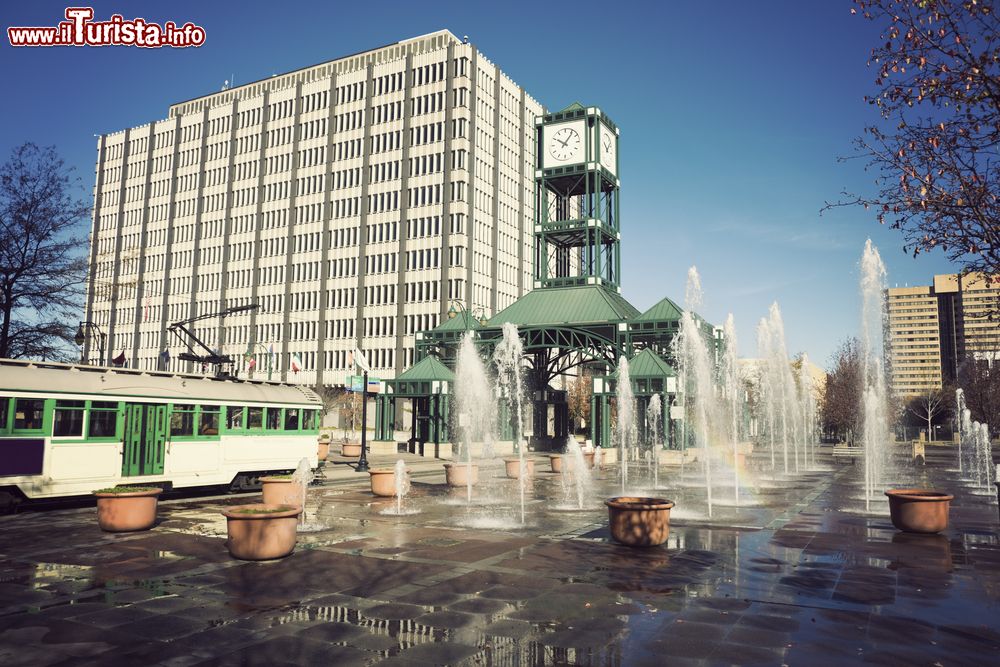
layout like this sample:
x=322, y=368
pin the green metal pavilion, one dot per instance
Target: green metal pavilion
x=574, y=317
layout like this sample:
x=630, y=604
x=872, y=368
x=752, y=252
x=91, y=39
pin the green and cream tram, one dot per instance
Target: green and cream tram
x=67, y=430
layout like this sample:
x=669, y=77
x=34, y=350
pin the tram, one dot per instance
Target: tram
x=67, y=430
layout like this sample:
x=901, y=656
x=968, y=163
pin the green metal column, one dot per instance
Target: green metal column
x=604, y=436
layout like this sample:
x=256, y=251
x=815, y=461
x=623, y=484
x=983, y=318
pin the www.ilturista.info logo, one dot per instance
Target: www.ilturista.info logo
x=79, y=29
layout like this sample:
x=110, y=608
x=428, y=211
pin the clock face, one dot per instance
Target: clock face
x=609, y=145
x=566, y=144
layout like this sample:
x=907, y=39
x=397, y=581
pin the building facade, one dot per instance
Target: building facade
x=934, y=328
x=354, y=201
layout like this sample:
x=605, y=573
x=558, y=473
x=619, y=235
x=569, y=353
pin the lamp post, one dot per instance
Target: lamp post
x=478, y=314
x=85, y=331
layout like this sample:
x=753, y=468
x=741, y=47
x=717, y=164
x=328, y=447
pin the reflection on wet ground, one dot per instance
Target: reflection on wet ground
x=796, y=571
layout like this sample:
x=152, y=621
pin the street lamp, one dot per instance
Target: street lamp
x=479, y=314
x=86, y=330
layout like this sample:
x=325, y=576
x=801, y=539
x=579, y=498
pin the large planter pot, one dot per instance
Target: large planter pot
x=322, y=450
x=261, y=531
x=125, y=511
x=588, y=458
x=282, y=491
x=514, y=468
x=556, y=461
x=461, y=474
x=639, y=522
x=351, y=449
x=919, y=510
x=384, y=481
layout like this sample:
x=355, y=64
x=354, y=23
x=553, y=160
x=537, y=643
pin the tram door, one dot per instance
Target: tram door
x=145, y=439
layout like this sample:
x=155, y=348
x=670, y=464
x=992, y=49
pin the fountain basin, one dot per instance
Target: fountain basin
x=282, y=491
x=556, y=461
x=261, y=531
x=461, y=474
x=919, y=510
x=638, y=521
x=384, y=481
x=514, y=468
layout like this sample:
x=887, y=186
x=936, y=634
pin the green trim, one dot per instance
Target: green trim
x=12, y=393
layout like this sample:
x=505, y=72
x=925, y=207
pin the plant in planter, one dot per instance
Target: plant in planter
x=919, y=510
x=282, y=489
x=126, y=508
x=639, y=522
x=261, y=531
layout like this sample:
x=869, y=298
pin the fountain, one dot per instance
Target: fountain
x=698, y=372
x=654, y=419
x=625, y=427
x=474, y=401
x=731, y=397
x=962, y=416
x=875, y=429
x=301, y=479
x=575, y=478
x=507, y=358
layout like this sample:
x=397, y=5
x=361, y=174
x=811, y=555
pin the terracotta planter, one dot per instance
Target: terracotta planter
x=384, y=481
x=588, y=458
x=322, y=450
x=282, y=491
x=919, y=510
x=639, y=522
x=124, y=512
x=351, y=449
x=459, y=474
x=514, y=468
x=556, y=461
x=261, y=531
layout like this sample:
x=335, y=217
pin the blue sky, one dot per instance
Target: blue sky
x=733, y=115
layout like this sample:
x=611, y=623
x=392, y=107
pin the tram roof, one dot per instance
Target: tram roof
x=49, y=377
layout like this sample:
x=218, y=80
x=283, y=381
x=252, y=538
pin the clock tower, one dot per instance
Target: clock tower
x=576, y=191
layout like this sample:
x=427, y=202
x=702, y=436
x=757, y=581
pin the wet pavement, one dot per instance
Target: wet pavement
x=799, y=572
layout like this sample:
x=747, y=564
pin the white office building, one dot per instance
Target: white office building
x=355, y=201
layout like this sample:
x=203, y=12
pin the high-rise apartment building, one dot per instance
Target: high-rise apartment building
x=934, y=328
x=354, y=201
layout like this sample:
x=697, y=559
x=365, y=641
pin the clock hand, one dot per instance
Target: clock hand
x=562, y=142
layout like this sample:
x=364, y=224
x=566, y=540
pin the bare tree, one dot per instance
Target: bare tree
x=42, y=259
x=932, y=403
x=840, y=405
x=936, y=146
x=979, y=378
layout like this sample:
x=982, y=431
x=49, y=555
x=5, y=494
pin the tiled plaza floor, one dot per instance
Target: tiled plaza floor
x=799, y=574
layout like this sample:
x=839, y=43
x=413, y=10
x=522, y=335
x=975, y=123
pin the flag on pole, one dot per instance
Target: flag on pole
x=296, y=364
x=119, y=360
x=165, y=360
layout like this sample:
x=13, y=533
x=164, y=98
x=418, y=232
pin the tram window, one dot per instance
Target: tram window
x=308, y=420
x=208, y=424
x=273, y=419
x=103, y=419
x=255, y=418
x=234, y=418
x=28, y=414
x=68, y=419
x=4, y=406
x=291, y=419
x=182, y=420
